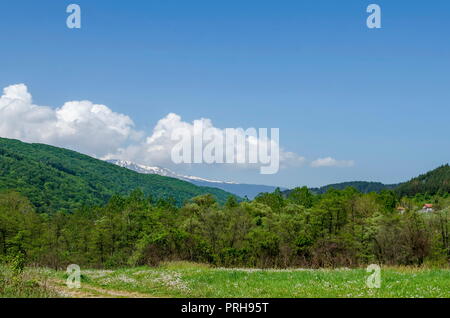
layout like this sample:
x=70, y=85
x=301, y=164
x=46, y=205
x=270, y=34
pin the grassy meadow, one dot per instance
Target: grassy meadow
x=30, y=283
x=183, y=279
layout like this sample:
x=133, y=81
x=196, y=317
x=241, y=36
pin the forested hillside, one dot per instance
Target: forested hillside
x=56, y=179
x=432, y=182
x=361, y=186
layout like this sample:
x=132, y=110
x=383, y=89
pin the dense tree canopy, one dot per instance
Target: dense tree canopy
x=338, y=228
x=56, y=179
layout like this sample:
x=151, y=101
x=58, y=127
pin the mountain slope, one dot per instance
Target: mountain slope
x=160, y=171
x=432, y=182
x=239, y=189
x=361, y=186
x=60, y=179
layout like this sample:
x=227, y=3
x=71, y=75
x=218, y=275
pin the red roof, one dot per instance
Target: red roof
x=428, y=205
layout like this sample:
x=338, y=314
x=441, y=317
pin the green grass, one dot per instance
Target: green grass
x=31, y=283
x=181, y=279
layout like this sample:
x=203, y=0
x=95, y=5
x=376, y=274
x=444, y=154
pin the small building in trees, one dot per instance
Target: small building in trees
x=428, y=207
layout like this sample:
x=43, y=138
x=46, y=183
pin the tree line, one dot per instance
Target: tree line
x=334, y=229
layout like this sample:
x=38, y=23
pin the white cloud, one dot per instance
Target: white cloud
x=79, y=125
x=156, y=149
x=291, y=159
x=331, y=162
x=96, y=130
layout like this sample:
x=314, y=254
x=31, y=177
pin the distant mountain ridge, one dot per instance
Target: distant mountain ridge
x=239, y=189
x=361, y=186
x=57, y=179
x=432, y=182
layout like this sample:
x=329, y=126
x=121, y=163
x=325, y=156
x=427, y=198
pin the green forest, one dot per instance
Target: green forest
x=56, y=179
x=58, y=207
x=338, y=228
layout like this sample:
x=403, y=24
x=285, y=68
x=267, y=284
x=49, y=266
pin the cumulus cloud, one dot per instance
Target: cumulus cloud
x=157, y=148
x=331, y=162
x=291, y=159
x=96, y=130
x=79, y=125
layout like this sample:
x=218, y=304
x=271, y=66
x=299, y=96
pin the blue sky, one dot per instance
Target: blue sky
x=312, y=68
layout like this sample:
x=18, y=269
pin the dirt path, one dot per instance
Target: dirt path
x=88, y=291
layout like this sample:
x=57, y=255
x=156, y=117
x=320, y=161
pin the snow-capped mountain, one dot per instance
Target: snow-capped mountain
x=242, y=190
x=161, y=171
